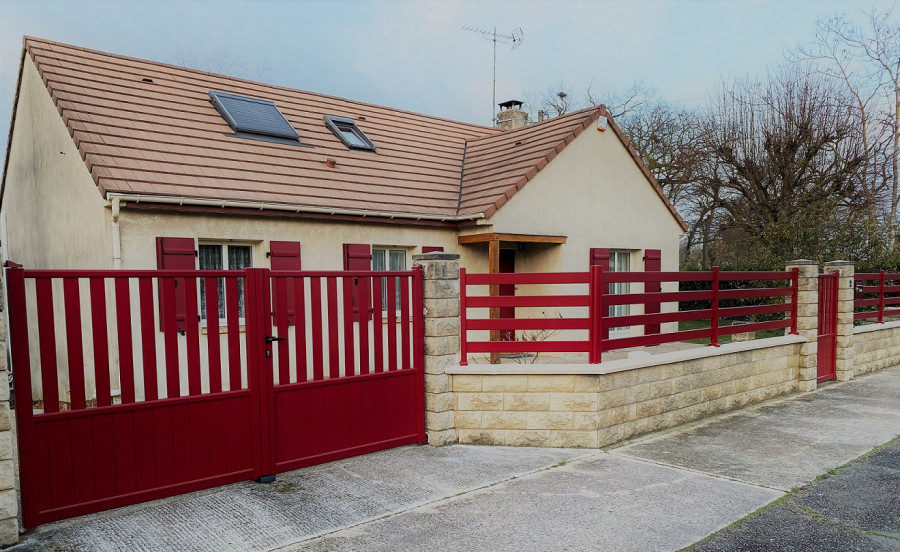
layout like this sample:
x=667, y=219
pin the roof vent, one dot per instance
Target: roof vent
x=146, y=79
x=252, y=115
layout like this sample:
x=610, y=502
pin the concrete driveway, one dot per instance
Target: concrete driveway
x=663, y=492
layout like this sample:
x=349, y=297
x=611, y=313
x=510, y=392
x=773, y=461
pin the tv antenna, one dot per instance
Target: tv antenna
x=514, y=38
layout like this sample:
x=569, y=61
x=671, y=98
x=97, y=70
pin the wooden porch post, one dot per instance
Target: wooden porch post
x=494, y=268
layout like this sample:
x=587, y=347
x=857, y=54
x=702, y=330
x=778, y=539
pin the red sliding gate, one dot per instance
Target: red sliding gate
x=129, y=404
x=827, y=333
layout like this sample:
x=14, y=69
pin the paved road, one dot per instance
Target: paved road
x=855, y=508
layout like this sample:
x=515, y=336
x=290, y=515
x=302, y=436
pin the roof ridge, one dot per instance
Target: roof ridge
x=27, y=38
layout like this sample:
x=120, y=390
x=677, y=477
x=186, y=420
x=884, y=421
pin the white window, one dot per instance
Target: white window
x=220, y=256
x=620, y=261
x=389, y=259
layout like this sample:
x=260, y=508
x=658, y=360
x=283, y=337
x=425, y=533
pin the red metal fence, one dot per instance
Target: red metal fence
x=586, y=299
x=877, y=296
x=116, y=404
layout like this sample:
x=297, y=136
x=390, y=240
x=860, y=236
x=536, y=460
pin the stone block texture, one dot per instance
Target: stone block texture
x=9, y=507
x=592, y=411
x=441, y=299
x=876, y=349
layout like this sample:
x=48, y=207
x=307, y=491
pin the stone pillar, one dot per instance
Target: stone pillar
x=807, y=320
x=844, y=362
x=9, y=505
x=441, y=297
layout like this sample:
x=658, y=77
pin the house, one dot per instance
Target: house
x=121, y=163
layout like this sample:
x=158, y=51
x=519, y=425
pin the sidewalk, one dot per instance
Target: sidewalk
x=663, y=492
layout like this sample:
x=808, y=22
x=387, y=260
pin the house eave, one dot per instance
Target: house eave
x=248, y=206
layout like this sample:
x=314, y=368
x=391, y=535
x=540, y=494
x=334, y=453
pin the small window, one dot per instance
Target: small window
x=347, y=131
x=620, y=261
x=223, y=257
x=252, y=115
x=388, y=259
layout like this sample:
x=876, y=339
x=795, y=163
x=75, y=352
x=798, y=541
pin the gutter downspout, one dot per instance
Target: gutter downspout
x=116, y=234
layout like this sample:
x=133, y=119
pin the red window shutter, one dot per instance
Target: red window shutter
x=600, y=256
x=357, y=257
x=175, y=254
x=652, y=263
x=432, y=249
x=285, y=255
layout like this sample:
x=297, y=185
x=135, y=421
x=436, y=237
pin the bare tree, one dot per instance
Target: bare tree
x=785, y=157
x=867, y=61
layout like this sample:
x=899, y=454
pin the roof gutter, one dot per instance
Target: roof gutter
x=124, y=199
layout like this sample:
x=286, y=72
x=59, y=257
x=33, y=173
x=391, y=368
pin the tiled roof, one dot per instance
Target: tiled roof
x=164, y=138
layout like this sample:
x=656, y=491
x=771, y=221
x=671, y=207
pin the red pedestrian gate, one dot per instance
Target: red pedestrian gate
x=827, y=333
x=120, y=399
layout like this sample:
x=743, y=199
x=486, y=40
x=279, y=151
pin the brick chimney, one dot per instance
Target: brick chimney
x=511, y=115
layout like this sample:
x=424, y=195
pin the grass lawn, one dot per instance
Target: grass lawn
x=700, y=324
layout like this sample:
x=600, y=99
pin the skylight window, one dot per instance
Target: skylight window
x=347, y=131
x=252, y=115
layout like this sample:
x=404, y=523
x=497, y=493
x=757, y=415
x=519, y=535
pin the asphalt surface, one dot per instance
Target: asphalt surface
x=854, y=508
x=665, y=491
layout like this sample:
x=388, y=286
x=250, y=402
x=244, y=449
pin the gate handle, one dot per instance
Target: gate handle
x=270, y=339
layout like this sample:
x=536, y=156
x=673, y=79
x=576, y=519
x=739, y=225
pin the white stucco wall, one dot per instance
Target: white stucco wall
x=55, y=216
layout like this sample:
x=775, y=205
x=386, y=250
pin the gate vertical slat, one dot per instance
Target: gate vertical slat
x=315, y=292
x=281, y=323
x=334, y=362
x=260, y=373
x=349, y=357
x=170, y=336
x=101, y=340
x=300, y=328
x=213, y=339
x=232, y=322
x=21, y=367
x=377, y=329
x=192, y=332
x=47, y=340
x=148, y=339
x=418, y=321
x=365, y=284
x=404, y=323
x=74, y=346
x=392, y=322
x=123, y=335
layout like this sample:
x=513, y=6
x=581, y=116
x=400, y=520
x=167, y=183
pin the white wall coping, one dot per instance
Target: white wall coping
x=876, y=327
x=626, y=363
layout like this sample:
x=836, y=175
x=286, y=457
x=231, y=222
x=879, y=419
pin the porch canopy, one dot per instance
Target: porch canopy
x=494, y=240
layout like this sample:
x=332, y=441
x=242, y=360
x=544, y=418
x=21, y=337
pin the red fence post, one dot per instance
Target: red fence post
x=418, y=321
x=21, y=366
x=795, y=280
x=714, y=319
x=463, y=335
x=595, y=308
x=258, y=323
x=881, y=296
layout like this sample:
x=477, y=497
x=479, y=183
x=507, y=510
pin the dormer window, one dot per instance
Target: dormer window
x=348, y=133
x=252, y=117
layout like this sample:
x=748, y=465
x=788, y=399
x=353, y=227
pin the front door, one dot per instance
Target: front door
x=507, y=266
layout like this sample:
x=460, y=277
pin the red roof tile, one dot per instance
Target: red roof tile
x=165, y=138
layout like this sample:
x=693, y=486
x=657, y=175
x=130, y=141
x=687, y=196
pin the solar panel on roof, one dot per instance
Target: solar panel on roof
x=253, y=115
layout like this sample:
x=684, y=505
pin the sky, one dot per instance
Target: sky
x=415, y=55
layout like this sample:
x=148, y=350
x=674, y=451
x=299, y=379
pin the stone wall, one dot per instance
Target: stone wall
x=568, y=406
x=9, y=507
x=875, y=347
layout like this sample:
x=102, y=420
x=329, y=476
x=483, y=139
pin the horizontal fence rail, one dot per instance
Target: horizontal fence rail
x=590, y=304
x=877, y=296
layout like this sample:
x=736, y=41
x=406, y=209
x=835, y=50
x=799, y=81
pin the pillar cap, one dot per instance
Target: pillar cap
x=436, y=256
x=838, y=263
x=802, y=262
